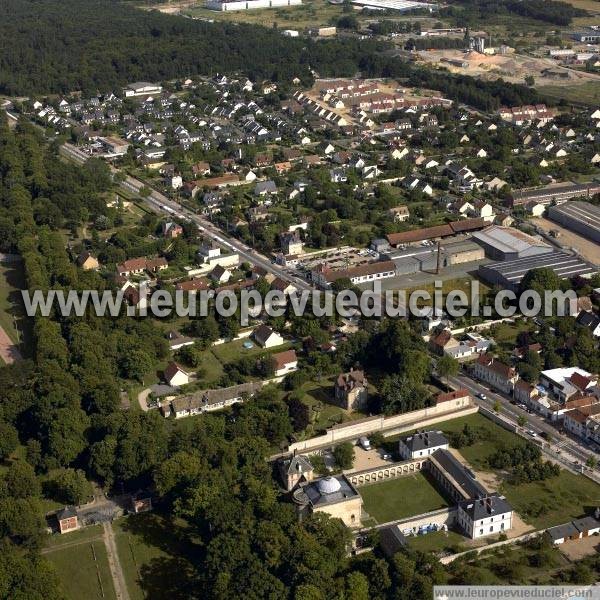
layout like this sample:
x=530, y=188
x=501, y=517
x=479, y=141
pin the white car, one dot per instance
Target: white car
x=482, y=396
x=364, y=443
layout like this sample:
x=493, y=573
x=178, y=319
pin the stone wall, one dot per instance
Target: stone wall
x=388, y=425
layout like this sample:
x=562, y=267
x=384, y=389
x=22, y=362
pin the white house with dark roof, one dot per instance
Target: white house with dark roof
x=422, y=444
x=266, y=337
x=489, y=515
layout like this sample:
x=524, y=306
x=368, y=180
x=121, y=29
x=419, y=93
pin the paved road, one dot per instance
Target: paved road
x=114, y=563
x=570, y=449
x=163, y=205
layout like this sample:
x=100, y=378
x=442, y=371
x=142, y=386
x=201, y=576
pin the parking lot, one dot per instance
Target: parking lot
x=368, y=459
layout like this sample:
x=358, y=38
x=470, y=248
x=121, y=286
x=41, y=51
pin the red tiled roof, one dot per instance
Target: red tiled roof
x=284, y=358
x=449, y=396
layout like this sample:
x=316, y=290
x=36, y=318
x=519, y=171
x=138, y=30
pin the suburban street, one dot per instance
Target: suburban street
x=570, y=449
x=161, y=204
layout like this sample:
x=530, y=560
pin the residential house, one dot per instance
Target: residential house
x=67, y=519
x=498, y=375
x=171, y=230
x=87, y=262
x=591, y=321
x=285, y=362
x=175, y=376
x=265, y=188
x=220, y=274
x=266, y=337
x=399, y=213
x=350, y=390
x=291, y=243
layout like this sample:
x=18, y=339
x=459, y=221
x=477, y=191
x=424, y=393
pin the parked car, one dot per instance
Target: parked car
x=364, y=443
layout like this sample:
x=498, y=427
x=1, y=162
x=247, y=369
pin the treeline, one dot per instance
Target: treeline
x=548, y=11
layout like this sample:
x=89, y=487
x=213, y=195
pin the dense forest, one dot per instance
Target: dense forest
x=60, y=47
x=554, y=12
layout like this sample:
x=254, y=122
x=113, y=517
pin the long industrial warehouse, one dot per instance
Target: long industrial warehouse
x=509, y=274
x=578, y=216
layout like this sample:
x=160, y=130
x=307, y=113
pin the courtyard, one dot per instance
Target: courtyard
x=400, y=498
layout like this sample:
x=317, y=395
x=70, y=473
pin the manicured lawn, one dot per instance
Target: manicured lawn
x=155, y=555
x=83, y=571
x=233, y=351
x=491, y=438
x=437, y=541
x=399, y=498
x=555, y=501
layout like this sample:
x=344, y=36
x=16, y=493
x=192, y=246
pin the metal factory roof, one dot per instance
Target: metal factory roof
x=512, y=272
x=508, y=239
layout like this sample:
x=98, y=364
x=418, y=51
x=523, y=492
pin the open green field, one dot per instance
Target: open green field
x=155, y=555
x=83, y=570
x=586, y=93
x=400, y=498
x=556, y=501
x=505, y=334
x=311, y=13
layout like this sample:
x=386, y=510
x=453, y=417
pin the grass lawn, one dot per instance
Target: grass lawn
x=492, y=437
x=234, y=350
x=86, y=533
x=155, y=556
x=505, y=334
x=400, y=498
x=556, y=501
x=318, y=395
x=211, y=367
x=585, y=93
x=83, y=570
x=438, y=541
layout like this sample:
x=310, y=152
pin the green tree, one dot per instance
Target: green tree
x=9, y=440
x=447, y=367
x=344, y=455
x=69, y=486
